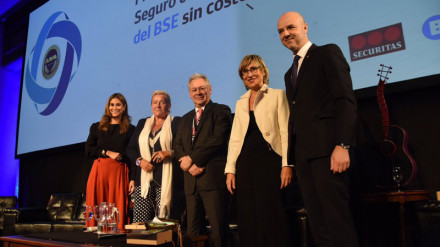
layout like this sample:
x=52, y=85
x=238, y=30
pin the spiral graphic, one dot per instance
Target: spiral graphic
x=52, y=97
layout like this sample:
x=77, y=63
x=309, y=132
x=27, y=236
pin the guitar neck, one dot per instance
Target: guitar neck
x=383, y=108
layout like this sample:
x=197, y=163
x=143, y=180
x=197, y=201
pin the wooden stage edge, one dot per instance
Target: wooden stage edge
x=22, y=241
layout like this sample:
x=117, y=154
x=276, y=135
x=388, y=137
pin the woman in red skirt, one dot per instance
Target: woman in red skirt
x=109, y=178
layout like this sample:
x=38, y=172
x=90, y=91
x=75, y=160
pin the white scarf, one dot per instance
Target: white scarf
x=166, y=139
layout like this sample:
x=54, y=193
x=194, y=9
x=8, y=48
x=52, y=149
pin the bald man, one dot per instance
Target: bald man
x=321, y=131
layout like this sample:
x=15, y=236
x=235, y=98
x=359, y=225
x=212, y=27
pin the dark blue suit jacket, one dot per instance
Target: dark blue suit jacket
x=323, y=106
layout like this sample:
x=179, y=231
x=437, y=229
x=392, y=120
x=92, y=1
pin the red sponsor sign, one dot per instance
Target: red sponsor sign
x=376, y=42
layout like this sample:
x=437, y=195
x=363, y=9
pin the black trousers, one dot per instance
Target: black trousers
x=327, y=202
x=213, y=202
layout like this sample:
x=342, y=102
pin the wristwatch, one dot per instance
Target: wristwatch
x=138, y=161
x=344, y=146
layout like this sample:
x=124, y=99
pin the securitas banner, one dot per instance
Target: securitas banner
x=376, y=42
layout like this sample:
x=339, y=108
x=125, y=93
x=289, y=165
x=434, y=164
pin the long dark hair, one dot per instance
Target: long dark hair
x=106, y=118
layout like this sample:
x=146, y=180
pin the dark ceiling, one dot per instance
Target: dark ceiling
x=6, y=5
x=14, y=17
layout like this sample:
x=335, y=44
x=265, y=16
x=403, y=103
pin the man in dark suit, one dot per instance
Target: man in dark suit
x=321, y=130
x=201, y=147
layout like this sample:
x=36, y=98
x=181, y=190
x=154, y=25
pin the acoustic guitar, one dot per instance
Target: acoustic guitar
x=395, y=139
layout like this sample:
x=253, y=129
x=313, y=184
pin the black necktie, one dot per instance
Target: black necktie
x=294, y=74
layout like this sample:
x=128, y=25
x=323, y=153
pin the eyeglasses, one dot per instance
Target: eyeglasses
x=201, y=89
x=251, y=69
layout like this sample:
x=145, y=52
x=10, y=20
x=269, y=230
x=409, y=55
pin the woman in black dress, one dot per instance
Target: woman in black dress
x=257, y=158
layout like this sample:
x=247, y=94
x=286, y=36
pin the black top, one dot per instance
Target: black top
x=157, y=172
x=133, y=153
x=254, y=141
x=111, y=139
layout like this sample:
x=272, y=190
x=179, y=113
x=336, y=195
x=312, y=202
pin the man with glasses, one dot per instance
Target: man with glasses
x=201, y=147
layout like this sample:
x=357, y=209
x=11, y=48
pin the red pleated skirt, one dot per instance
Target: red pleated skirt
x=108, y=182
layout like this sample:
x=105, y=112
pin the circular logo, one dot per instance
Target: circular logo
x=61, y=32
x=431, y=27
x=375, y=38
x=51, y=62
x=358, y=42
x=392, y=34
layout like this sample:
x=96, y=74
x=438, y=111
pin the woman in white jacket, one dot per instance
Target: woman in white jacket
x=257, y=157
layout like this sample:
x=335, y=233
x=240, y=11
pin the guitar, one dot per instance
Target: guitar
x=395, y=138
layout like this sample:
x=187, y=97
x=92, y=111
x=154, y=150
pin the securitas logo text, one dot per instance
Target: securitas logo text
x=376, y=42
x=53, y=62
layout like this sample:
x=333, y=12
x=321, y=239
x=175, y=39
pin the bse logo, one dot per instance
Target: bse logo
x=51, y=62
x=431, y=28
x=57, y=66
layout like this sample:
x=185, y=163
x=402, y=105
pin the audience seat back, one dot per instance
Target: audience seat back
x=62, y=207
x=6, y=202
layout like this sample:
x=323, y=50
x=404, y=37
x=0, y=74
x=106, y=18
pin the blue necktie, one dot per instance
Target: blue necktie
x=294, y=74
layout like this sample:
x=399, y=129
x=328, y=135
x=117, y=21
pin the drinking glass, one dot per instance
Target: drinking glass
x=397, y=176
x=101, y=213
x=162, y=212
x=87, y=212
x=112, y=218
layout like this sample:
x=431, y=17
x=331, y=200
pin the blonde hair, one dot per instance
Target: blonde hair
x=247, y=60
x=165, y=95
